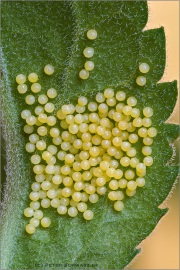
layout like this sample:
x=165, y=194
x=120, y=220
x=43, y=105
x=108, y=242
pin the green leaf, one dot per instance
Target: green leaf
x=35, y=33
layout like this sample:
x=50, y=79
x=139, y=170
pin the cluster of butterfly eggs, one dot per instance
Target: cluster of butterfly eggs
x=91, y=152
x=88, y=53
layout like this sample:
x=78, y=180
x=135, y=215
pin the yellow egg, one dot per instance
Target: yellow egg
x=49, y=69
x=33, y=77
x=92, y=34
